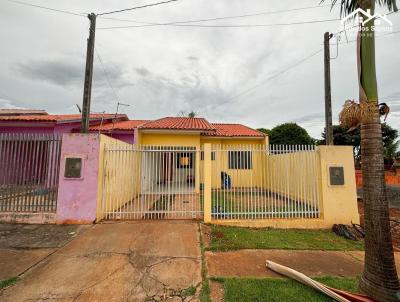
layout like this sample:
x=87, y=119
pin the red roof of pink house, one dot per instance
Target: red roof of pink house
x=233, y=130
x=183, y=123
x=123, y=125
x=59, y=117
x=179, y=123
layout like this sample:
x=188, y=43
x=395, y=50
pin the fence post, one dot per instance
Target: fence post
x=339, y=200
x=207, y=183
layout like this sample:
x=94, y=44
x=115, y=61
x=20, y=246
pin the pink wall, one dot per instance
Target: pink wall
x=125, y=137
x=40, y=127
x=77, y=198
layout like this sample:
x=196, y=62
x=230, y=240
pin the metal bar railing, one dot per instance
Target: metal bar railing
x=264, y=182
x=29, y=172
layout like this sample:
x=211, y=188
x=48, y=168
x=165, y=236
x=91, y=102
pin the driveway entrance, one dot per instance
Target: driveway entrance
x=131, y=261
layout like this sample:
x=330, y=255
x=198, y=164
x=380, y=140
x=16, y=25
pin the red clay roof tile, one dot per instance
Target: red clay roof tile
x=233, y=130
x=179, y=123
x=58, y=117
x=122, y=125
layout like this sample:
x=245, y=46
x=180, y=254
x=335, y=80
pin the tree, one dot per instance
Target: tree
x=264, y=130
x=343, y=137
x=187, y=114
x=290, y=134
x=379, y=279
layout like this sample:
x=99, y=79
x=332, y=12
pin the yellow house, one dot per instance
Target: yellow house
x=181, y=168
x=185, y=137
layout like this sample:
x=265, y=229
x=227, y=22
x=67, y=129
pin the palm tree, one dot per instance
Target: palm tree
x=379, y=279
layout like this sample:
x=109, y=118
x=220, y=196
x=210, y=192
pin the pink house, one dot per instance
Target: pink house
x=65, y=123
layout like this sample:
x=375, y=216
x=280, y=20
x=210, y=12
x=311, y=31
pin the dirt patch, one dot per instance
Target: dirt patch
x=206, y=234
x=216, y=291
x=251, y=263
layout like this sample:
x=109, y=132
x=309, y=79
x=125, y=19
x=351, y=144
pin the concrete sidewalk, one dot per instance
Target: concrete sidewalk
x=132, y=261
x=251, y=263
x=23, y=246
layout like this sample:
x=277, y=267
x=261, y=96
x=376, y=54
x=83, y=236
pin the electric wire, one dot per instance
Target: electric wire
x=136, y=7
x=48, y=8
x=275, y=75
x=218, y=18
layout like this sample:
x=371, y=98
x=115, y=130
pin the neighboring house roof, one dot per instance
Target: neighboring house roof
x=233, y=130
x=7, y=112
x=179, y=123
x=59, y=117
x=123, y=125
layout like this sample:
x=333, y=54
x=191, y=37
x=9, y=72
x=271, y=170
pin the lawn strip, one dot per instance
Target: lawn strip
x=224, y=238
x=273, y=289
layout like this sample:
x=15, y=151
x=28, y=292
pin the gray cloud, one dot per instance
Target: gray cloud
x=56, y=72
x=69, y=72
x=164, y=70
x=142, y=71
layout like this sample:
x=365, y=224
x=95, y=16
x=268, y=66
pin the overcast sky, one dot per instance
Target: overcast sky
x=162, y=70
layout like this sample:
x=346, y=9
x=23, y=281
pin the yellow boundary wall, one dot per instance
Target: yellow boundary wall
x=338, y=203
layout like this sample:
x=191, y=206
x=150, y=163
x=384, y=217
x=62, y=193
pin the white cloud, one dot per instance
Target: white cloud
x=164, y=70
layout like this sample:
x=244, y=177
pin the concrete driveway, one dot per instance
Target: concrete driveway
x=132, y=261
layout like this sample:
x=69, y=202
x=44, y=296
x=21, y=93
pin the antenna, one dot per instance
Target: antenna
x=116, y=113
x=79, y=108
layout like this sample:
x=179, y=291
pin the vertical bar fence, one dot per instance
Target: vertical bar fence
x=151, y=182
x=265, y=182
x=29, y=172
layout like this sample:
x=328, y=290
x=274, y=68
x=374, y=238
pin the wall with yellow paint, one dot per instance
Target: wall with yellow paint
x=338, y=203
x=243, y=178
x=119, y=180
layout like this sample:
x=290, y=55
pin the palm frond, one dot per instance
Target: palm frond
x=348, y=6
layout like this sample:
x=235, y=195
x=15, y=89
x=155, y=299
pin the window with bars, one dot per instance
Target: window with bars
x=184, y=160
x=240, y=160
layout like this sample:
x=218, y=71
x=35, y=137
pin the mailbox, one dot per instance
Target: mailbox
x=73, y=167
x=336, y=176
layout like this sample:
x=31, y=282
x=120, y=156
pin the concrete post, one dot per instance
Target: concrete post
x=207, y=183
x=339, y=202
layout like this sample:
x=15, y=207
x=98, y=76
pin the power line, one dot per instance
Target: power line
x=220, y=18
x=222, y=26
x=275, y=75
x=47, y=8
x=136, y=7
x=106, y=75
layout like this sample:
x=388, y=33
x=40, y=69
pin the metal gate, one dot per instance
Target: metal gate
x=29, y=170
x=151, y=182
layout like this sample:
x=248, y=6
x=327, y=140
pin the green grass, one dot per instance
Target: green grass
x=234, y=238
x=8, y=282
x=271, y=290
x=190, y=291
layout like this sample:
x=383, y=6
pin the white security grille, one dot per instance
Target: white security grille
x=263, y=182
x=151, y=182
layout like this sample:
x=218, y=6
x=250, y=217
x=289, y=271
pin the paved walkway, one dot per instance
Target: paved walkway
x=251, y=263
x=134, y=261
x=23, y=246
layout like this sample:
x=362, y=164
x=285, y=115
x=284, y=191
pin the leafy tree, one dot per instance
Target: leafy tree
x=342, y=137
x=264, y=130
x=290, y=134
x=379, y=279
x=187, y=114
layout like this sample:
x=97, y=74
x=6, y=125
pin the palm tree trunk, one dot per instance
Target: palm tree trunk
x=379, y=279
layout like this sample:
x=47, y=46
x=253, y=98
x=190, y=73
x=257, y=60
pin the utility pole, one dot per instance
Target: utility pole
x=328, y=99
x=87, y=89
